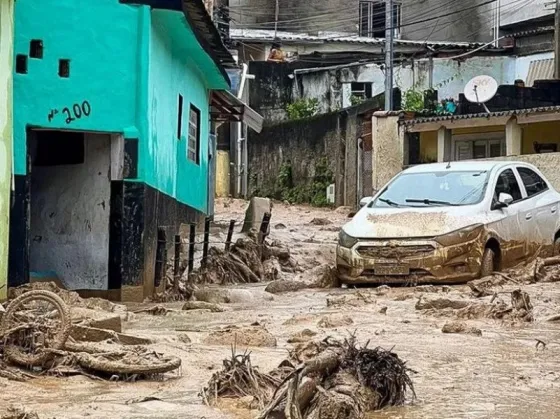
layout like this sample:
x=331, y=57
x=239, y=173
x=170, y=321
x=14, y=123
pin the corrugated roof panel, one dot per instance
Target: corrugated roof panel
x=540, y=70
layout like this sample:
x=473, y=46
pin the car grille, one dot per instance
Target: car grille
x=397, y=252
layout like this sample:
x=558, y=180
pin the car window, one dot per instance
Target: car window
x=442, y=188
x=507, y=183
x=534, y=184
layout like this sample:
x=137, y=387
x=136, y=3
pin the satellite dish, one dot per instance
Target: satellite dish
x=481, y=89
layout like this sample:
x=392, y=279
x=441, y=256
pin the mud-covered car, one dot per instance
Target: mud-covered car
x=449, y=223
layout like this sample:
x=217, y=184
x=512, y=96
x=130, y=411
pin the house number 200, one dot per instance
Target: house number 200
x=77, y=111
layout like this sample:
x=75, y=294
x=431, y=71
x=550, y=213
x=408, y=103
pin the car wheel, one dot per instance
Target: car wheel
x=556, y=247
x=487, y=265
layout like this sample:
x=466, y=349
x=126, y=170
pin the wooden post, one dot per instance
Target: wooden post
x=206, y=240
x=264, y=227
x=176, y=263
x=161, y=257
x=230, y=234
x=192, y=239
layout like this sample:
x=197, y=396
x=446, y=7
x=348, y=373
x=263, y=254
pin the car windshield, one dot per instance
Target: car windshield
x=448, y=188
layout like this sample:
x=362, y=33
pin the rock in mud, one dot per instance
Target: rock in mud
x=320, y=222
x=278, y=287
x=202, y=305
x=272, y=269
x=280, y=226
x=17, y=413
x=231, y=296
x=382, y=290
x=302, y=336
x=250, y=336
x=352, y=300
x=323, y=276
x=299, y=319
x=96, y=318
x=460, y=327
x=255, y=212
x=184, y=338
x=334, y=320
x=441, y=304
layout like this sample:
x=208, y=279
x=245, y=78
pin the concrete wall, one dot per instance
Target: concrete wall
x=303, y=144
x=388, y=149
x=474, y=24
x=70, y=218
x=6, y=130
x=296, y=15
x=315, y=16
x=276, y=85
x=547, y=163
x=514, y=11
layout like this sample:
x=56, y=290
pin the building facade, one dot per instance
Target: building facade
x=441, y=20
x=112, y=137
x=6, y=54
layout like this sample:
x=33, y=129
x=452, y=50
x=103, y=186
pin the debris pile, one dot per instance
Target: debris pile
x=39, y=332
x=238, y=379
x=520, y=308
x=341, y=380
x=245, y=262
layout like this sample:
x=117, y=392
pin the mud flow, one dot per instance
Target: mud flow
x=266, y=332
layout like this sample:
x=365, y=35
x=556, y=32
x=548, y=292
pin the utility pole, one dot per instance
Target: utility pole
x=557, y=41
x=276, y=13
x=389, y=32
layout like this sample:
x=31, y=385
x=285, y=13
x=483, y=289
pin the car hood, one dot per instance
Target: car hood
x=373, y=223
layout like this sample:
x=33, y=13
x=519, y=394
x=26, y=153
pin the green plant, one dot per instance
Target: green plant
x=302, y=108
x=413, y=101
x=356, y=100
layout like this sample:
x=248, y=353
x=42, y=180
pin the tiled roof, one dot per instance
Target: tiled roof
x=480, y=115
x=269, y=36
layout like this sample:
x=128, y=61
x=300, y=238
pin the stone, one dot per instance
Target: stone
x=334, y=320
x=96, y=318
x=92, y=334
x=241, y=337
x=320, y=222
x=231, y=296
x=255, y=213
x=460, y=327
x=441, y=303
x=202, y=305
x=278, y=287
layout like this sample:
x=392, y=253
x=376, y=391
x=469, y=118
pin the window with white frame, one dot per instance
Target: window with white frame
x=372, y=18
x=479, y=146
x=193, y=147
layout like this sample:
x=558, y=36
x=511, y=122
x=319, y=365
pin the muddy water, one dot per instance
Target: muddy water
x=497, y=375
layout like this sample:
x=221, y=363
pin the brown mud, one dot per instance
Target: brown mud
x=505, y=373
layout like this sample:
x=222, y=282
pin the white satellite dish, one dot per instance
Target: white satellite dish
x=481, y=89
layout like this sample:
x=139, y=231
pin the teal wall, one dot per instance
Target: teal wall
x=101, y=41
x=173, y=71
x=129, y=63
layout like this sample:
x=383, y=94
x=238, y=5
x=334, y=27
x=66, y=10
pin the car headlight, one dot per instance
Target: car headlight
x=462, y=235
x=346, y=240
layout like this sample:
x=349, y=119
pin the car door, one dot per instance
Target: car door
x=507, y=227
x=542, y=212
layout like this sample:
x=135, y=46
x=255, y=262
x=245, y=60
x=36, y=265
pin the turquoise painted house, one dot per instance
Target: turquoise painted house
x=115, y=107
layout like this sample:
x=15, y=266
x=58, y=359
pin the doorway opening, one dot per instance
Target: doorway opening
x=69, y=208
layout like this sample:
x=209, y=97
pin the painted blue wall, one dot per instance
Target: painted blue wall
x=174, y=71
x=128, y=65
x=101, y=40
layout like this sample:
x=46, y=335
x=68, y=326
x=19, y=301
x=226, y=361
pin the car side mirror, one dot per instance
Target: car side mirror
x=504, y=200
x=364, y=201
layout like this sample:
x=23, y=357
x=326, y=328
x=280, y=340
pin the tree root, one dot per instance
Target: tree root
x=341, y=381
